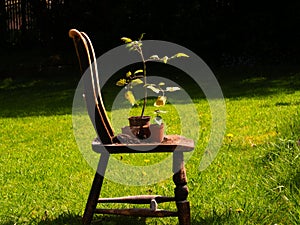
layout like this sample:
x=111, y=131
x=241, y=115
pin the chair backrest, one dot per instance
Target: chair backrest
x=92, y=92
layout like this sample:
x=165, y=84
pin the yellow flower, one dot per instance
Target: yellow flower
x=229, y=135
x=239, y=210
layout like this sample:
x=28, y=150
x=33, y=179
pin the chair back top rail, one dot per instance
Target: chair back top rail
x=92, y=91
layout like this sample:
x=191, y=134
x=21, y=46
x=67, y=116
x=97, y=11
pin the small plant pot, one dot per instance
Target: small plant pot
x=140, y=126
x=156, y=133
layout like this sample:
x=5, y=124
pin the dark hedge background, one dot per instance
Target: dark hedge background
x=223, y=32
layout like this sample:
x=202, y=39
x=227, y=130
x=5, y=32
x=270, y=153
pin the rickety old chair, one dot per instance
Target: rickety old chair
x=106, y=144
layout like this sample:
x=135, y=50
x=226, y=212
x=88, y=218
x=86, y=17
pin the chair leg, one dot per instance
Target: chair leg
x=181, y=190
x=95, y=190
x=184, y=215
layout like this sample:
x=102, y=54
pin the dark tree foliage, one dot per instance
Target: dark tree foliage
x=222, y=31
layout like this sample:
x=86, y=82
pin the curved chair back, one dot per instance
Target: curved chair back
x=92, y=91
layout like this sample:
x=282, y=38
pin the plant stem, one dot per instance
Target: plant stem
x=145, y=82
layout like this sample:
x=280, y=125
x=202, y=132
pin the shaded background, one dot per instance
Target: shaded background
x=222, y=32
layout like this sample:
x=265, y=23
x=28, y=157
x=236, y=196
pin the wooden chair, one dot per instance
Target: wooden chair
x=105, y=144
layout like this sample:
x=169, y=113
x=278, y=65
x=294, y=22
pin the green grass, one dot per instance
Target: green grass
x=255, y=178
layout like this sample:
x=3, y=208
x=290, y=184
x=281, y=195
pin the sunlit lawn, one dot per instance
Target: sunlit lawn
x=255, y=178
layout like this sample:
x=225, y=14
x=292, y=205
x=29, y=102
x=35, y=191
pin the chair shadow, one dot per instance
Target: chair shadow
x=225, y=218
x=69, y=218
x=116, y=220
x=97, y=220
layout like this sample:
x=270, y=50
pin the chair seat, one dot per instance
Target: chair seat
x=170, y=143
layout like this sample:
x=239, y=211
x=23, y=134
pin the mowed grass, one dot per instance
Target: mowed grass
x=255, y=178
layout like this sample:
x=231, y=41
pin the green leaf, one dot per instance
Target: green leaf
x=128, y=74
x=154, y=89
x=154, y=57
x=172, y=89
x=165, y=59
x=142, y=36
x=121, y=82
x=178, y=55
x=159, y=111
x=130, y=97
x=129, y=45
x=138, y=71
x=158, y=120
x=126, y=40
x=146, y=85
x=136, y=82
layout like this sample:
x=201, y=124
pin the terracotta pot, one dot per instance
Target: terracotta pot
x=139, y=126
x=156, y=133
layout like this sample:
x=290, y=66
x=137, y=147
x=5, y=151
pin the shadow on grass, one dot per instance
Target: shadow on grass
x=215, y=218
x=73, y=219
x=127, y=220
x=124, y=220
x=39, y=82
x=259, y=81
x=108, y=220
x=49, y=94
x=50, y=90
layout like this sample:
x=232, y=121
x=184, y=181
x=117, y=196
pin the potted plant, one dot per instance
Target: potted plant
x=140, y=125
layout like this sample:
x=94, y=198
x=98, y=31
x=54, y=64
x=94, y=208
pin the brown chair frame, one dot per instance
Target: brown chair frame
x=104, y=144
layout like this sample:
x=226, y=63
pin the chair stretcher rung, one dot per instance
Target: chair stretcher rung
x=140, y=212
x=138, y=199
